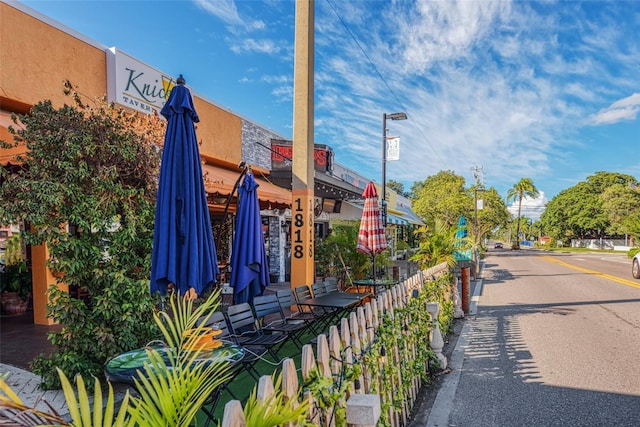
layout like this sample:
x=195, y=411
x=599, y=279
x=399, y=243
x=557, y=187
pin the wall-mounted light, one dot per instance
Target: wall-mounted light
x=219, y=200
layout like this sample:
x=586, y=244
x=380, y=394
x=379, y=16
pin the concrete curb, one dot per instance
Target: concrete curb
x=441, y=409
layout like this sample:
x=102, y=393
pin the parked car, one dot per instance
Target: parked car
x=635, y=266
x=498, y=245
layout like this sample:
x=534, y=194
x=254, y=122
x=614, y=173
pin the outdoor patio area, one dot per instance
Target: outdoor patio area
x=21, y=340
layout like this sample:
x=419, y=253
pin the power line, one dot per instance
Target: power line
x=415, y=125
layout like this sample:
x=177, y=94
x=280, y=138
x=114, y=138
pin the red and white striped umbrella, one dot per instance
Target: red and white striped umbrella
x=371, y=236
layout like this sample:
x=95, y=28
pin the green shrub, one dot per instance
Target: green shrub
x=87, y=189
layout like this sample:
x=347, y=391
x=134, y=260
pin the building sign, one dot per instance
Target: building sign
x=134, y=84
x=393, y=148
x=282, y=153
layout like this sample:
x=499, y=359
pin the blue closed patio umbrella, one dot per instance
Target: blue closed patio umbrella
x=461, y=251
x=183, y=250
x=249, y=267
x=461, y=231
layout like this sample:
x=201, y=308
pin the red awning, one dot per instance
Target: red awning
x=220, y=181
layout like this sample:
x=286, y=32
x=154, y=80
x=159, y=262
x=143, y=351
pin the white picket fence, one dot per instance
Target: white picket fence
x=347, y=344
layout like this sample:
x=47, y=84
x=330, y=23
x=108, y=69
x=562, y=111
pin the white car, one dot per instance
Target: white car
x=635, y=266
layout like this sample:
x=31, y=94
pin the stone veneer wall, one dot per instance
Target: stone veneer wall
x=259, y=155
x=256, y=154
x=275, y=251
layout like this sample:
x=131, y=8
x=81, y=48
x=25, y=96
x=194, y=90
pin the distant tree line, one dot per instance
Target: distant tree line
x=606, y=204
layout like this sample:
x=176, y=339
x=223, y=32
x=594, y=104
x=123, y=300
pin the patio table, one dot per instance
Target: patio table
x=334, y=300
x=124, y=367
x=375, y=284
x=348, y=296
x=334, y=304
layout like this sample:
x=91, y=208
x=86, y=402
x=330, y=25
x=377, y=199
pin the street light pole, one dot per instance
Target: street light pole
x=385, y=116
x=476, y=238
x=475, y=209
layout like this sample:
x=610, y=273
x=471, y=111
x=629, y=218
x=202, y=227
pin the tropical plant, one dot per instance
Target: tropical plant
x=275, y=410
x=338, y=252
x=171, y=390
x=102, y=413
x=520, y=190
x=14, y=412
x=87, y=188
x=437, y=245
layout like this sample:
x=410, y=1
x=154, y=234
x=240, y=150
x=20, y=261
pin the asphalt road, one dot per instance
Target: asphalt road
x=555, y=342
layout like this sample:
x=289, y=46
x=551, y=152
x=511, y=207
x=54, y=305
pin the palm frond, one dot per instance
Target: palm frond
x=174, y=387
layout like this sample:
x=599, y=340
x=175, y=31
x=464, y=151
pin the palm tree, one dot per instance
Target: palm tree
x=523, y=188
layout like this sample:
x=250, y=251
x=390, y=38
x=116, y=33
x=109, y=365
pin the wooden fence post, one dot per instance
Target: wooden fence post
x=233, y=415
x=308, y=363
x=290, y=384
x=349, y=344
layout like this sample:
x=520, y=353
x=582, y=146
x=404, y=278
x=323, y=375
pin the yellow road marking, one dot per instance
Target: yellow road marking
x=594, y=272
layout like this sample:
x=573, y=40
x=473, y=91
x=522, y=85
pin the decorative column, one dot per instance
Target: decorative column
x=363, y=410
x=465, y=289
x=457, y=301
x=435, y=337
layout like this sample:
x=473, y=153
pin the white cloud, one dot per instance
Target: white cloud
x=531, y=208
x=283, y=93
x=248, y=46
x=503, y=85
x=623, y=109
x=281, y=79
x=227, y=11
x=437, y=31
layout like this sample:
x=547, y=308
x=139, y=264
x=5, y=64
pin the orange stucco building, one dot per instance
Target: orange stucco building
x=38, y=54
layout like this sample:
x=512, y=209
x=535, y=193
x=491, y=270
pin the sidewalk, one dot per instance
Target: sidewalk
x=26, y=385
x=434, y=401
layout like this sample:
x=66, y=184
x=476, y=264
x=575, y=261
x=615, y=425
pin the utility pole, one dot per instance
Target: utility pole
x=302, y=227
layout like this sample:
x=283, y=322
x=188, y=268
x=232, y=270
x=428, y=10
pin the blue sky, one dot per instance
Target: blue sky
x=547, y=90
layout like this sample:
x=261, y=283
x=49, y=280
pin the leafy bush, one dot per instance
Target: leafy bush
x=87, y=188
x=338, y=252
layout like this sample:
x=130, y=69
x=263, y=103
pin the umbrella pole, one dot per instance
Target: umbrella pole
x=244, y=168
x=373, y=268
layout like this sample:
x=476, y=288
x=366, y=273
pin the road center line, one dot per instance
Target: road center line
x=594, y=272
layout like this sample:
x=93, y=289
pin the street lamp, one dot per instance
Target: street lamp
x=385, y=116
x=475, y=203
x=476, y=252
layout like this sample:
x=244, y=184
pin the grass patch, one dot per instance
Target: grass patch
x=243, y=384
